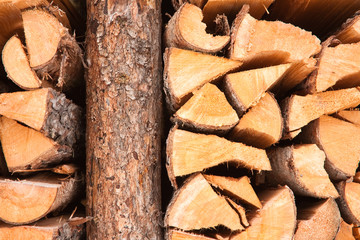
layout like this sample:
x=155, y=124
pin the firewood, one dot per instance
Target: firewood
x=318, y=221
x=356, y=178
x=180, y=235
x=207, y=111
x=189, y=152
x=185, y=30
x=301, y=167
x=10, y=22
x=263, y=43
x=356, y=232
x=55, y=228
x=300, y=110
x=65, y=169
x=195, y=206
x=240, y=210
x=25, y=148
x=352, y=116
x=349, y=201
x=44, y=110
x=26, y=201
x=238, y=188
x=185, y=71
x=246, y=88
x=53, y=52
x=337, y=139
x=261, y=126
x=275, y=220
x=350, y=30
x=345, y=232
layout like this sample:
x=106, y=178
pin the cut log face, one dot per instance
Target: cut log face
x=338, y=139
x=318, y=221
x=276, y=220
x=345, y=232
x=26, y=148
x=350, y=31
x=262, y=125
x=17, y=65
x=26, y=201
x=185, y=71
x=300, y=110
x=349, y=201
x=195, y=206
x=185, y=30
x=301, y=167
x=208, y=111
x=45, y=110
x=269, y=43
x=240, y=210
x=189, y=152
x=180, y=235
x=352, y=116
x=238, y=188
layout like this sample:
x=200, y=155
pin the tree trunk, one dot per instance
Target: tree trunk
x=124, y=119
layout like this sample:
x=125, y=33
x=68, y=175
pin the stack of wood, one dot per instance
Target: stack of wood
x=272, y=98
x=40, y=128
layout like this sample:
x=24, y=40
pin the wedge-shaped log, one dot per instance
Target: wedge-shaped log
x=345, y=232
x=349, y=201
x=339, y=140
x=44, y=110
x=298, y=111
x=25, y=148
x=319, y=220
x=54, y=228
x=238, y=188
x=53, y=53
x=263, y=43
x=26, y=201
x=262, y=125
x=301, y=167
x=195, y=206
x=181, y=235
x=185, y=30
x=189, y=152
x=350, y=30
x=275, y=220
x=207, y=111
x=352, y=116
x=246, y=88
x=240, y=210
x=185, y=71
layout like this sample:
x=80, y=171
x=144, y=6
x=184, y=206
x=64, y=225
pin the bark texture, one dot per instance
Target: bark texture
x=124, y=119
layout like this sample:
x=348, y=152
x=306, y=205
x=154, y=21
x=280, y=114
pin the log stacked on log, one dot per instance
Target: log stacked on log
x=265, y=139
x=41, y=129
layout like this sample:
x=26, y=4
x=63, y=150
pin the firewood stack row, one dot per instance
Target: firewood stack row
x=270, y=97
x=40, y=127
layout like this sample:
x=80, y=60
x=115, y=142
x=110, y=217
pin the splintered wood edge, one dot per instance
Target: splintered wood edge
x=345, y=210
x=171, y=100
x=345, y=29
x=169, y=163
x=240, y=210
x=235, y=27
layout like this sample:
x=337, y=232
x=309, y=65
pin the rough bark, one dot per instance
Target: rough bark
x=124, y=119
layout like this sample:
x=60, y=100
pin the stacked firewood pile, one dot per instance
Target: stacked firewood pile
x=270, y=97
x=40, y=127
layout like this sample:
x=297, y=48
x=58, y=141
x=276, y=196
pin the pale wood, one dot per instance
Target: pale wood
x=300, y=110
x=208, y=111
x=65, y=169
x=261, y=126
x=241, y=211
x=352, y=116
x=319, y=221
x=238, y=188
x=264, y=43
x=195, y=206
x=301, y=167
x=345, y=232
x=350, y=30
x=189, y=152
x=185, y=30
x=185, y=71
x=338, y=139
x=180, y=235
x=349, y=201
x=276, y=220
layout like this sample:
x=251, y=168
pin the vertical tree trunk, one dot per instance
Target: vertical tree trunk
x=124, y=119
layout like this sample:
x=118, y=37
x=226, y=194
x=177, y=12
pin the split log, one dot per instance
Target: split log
x=237, y=188
x=262, y=43
x=337, y=139
x=44, y=110
x=189, y=152
x=185, y=71
x=301, y=167
x=25, y=148
x=185, y=30
x=350, y=30
x=345, y=232
x=195, y=206
x=65, y=169
x=26, y=201
x=275, y=220
x=319, y=221
x=246, y=88
x=241, y=211
x=300, y=110
x=352, y=116
x=261, y=126
x=349, y=201
x=207, y=111
x=180, y=235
